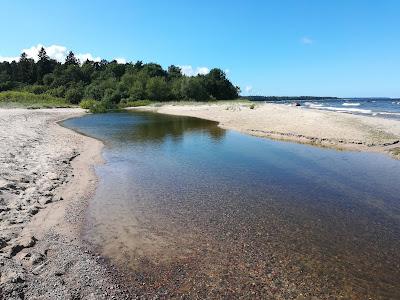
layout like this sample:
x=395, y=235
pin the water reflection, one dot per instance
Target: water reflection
x=145, y=127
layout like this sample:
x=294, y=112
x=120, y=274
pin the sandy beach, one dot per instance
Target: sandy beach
x=46, y=178
x=298, y=124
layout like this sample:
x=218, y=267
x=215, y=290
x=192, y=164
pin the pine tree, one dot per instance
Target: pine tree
x=43, y=66
x=71, y=59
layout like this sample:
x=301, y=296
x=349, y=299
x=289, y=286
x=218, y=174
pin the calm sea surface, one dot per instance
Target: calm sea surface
x=191, y=209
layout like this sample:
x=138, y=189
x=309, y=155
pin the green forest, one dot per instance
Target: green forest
x=107, y=84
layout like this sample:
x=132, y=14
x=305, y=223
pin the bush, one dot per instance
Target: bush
x=74, y=95
x=98, y=108
x=135, y=103
x=252, y=106
x=87, y=103
x=57, y=92
x=36, y=89
x=94, y=106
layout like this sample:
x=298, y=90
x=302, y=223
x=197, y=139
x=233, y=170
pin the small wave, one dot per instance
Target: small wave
x=389, y=113
x=343, y=109
x=351, y=104
x=315, y=104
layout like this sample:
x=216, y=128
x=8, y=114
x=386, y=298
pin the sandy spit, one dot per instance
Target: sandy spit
x=46, y=178
x=298, y=124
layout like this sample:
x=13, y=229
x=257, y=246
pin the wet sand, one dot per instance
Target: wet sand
x=298, y=124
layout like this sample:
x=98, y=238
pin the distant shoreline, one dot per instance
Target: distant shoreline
x=311, y=98
x=316, y=127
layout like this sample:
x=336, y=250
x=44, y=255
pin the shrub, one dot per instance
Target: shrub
x=74, y=95
x=98, y=108
x=94, y=106
x=87, y=103
x=36, y=89
x=135, y=103
x=57, y=92
x=252, y=106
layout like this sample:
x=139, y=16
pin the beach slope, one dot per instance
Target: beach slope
x=297, y=124
x=46, y=178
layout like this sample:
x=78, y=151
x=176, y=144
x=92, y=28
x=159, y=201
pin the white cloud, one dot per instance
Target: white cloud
x=188, y=70
x=306, y=40
x=9, y=58
x=120, y=60
x=248, y=88
x=56, y=52
x=84, y=56
x=202, y=70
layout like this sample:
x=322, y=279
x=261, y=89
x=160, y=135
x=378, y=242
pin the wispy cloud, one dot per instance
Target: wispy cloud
x=248, y=88
x=56, y=52
x=188, y=70
x=306, y=40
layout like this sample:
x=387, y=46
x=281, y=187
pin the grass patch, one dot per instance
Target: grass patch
x=135, y=103
x=30, y=100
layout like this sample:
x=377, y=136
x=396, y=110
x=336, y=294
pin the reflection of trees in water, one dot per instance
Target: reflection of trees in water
x=156, y=128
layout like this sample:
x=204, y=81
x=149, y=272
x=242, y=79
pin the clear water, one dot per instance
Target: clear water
x=194, y=210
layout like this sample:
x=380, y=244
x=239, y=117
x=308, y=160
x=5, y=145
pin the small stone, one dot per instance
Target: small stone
x=3, y=243
x=33, y=210
x=4, y=208
x=36, y=258
x=22, y=243
x=13, y=277
x=59, y=273
x=44, y=200
x=52, y=176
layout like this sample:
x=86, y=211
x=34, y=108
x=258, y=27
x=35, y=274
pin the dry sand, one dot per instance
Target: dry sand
x=298, y=124
x=46, y=177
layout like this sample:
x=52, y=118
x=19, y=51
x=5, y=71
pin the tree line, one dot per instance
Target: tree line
x=111, y=82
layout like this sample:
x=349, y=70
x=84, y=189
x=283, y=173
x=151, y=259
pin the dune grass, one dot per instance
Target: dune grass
x=191, y=103
x=29, y=100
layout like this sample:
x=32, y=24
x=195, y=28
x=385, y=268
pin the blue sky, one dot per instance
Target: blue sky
x=284, y=47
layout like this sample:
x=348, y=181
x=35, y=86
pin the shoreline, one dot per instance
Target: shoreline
x=46, y=180
x=300, y=125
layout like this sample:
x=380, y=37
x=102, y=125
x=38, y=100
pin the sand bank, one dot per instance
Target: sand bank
x=298, y=124
x=46, y=177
